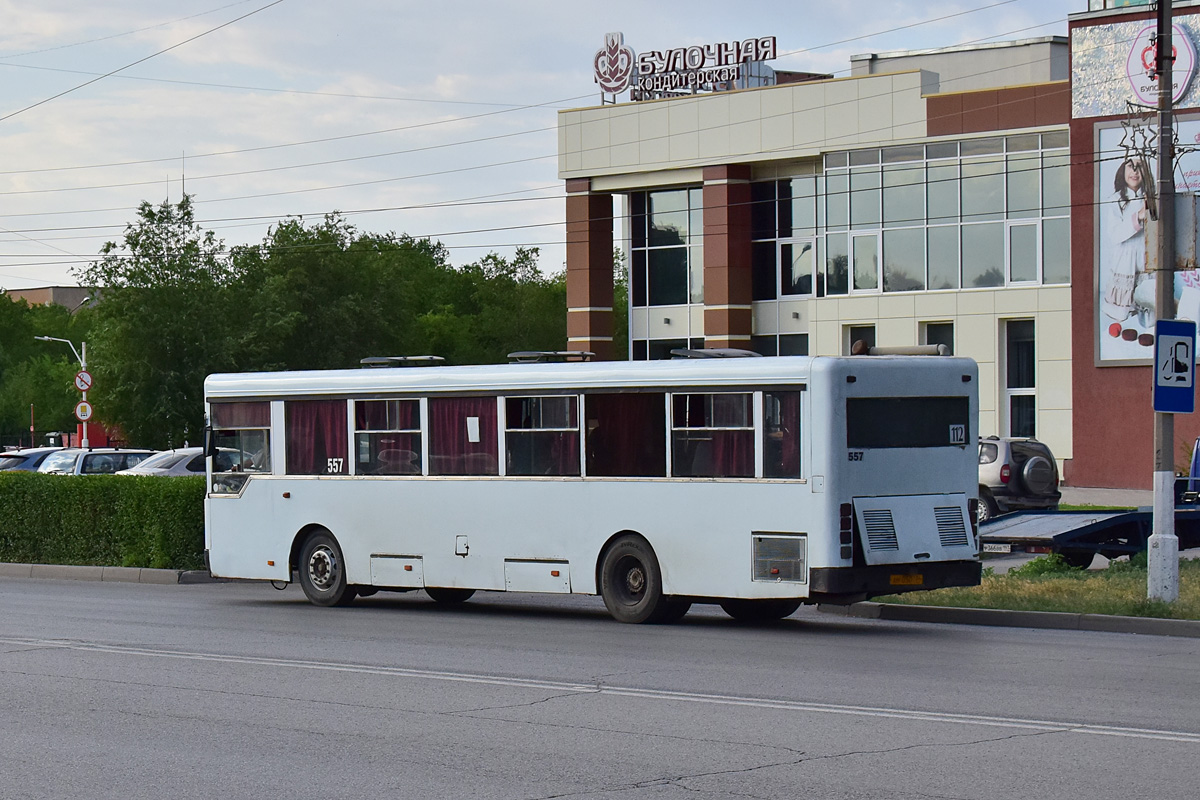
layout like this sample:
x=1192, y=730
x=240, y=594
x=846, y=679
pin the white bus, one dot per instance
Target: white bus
x=755, y=483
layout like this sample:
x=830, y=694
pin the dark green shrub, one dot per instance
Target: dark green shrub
x=102, y=520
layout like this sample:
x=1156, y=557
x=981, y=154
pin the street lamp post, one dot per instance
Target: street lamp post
x=81, y=356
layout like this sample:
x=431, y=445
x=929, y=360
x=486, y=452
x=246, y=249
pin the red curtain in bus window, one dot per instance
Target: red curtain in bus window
x=781, y=455
x=626, y=435
x=316, y=437
x=241, y=415
x=462, y=436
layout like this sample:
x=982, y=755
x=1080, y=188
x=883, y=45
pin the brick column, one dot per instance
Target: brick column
x=727, y=280
x=589, y=269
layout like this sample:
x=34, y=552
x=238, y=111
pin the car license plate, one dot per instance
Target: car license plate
x=907, y=580
x=997, y=547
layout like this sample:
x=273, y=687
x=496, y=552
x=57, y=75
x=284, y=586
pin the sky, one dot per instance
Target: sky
x=427, y=119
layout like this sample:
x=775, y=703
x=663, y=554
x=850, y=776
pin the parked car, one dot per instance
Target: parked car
x=181, y=461
x=1016, y=474
x=27, y=460
x=93, y=461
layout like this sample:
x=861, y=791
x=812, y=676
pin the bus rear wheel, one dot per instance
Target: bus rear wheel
x=449, y=596
x=631, y=584
x=759, y=610
x=323, y=572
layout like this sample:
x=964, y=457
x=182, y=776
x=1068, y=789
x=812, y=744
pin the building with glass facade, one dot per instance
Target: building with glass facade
x=924, y=199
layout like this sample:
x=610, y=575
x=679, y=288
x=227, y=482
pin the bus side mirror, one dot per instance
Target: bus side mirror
x=210, y=442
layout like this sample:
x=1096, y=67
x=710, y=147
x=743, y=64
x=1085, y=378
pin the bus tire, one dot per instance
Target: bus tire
x=759, y=610
x=631, y=584
x=447, y=596
x=323, y=571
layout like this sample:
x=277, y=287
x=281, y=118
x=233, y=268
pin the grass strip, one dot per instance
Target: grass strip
x=1048, y=584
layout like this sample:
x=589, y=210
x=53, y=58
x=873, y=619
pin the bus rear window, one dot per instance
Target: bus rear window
x=882, y=422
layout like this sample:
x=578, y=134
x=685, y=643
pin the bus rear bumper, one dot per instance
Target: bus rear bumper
x=843, y=585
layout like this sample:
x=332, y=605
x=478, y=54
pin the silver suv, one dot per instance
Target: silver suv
x=1016, y=474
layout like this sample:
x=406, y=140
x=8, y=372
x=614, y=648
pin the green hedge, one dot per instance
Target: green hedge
x=102, y=520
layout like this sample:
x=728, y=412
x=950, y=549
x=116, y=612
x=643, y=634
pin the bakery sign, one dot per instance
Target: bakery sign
x=682, y=70
x=1140, y=65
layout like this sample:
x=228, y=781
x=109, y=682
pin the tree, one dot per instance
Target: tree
x=164, y=324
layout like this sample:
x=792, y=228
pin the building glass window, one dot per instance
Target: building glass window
x=983, y=255
x=1020, y=377
x=938, y=333
x=859, y=333
x=904, y=260
x=667, y=259
x=866, y=263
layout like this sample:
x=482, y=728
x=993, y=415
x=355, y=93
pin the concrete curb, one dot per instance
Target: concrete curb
x=1149, y=626
x=63, y=572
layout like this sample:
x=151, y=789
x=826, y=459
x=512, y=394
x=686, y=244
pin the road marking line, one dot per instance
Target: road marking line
x=915, y=715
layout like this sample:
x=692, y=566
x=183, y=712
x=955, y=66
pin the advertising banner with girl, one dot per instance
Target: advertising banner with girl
x=1128, y=204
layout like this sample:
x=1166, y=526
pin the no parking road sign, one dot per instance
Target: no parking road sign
x=1174, y=366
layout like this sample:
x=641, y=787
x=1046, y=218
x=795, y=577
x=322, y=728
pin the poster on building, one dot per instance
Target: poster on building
x=1127, y=204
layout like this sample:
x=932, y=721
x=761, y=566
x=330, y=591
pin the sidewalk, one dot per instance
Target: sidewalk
x=1125, y=498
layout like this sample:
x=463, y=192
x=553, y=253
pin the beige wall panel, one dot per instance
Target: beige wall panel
x=1054, y=428
x=864, y=308
x=935, y=305
x=841, y=113
x=1016, y=301
x=823, y=309
x=624, y=129
x=981, y=301
x=745, y=139
x=655, y=151
x=746, y=106
x=875, y=111
x=987, y=421
x=897, y=305
x=570, y=142
x=654, y=121
x=777, y=104
x=696, y=315
x=975, y=336
x=639, y=324
x=629, y=155
x=895, y=333
x=684, y=116
x=765, y=317
x=777, y=133
x=595, y=158
x=714, y=112
x=808, y=128
x=825, y=339
x=1054, y=385
x=684, y=146
x=1053, y=333
x=715, y=143
x=792, y=324
x=1054, y=298
x=660, y=328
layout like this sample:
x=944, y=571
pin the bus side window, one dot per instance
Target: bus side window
x=541, y=435
x=241, y=434
x=315, y=437
x=781, y=434
x=462, y=436
x=387, y=437
x=626, y=435
x=712, y=435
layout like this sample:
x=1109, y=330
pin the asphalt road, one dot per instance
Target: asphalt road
x=235, y=690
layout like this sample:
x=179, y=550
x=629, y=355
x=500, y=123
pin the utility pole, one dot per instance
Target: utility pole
x=1163, y=556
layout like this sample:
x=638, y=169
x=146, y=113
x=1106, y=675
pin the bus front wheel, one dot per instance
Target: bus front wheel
x=323, y=572
x=631, y=584
x=759, y=610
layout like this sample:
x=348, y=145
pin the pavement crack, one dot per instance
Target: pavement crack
x=466, y=712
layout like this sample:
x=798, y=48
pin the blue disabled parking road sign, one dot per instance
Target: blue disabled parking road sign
x=1174, y=366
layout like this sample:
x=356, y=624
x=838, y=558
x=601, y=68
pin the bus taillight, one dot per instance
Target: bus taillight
x=847, y=531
